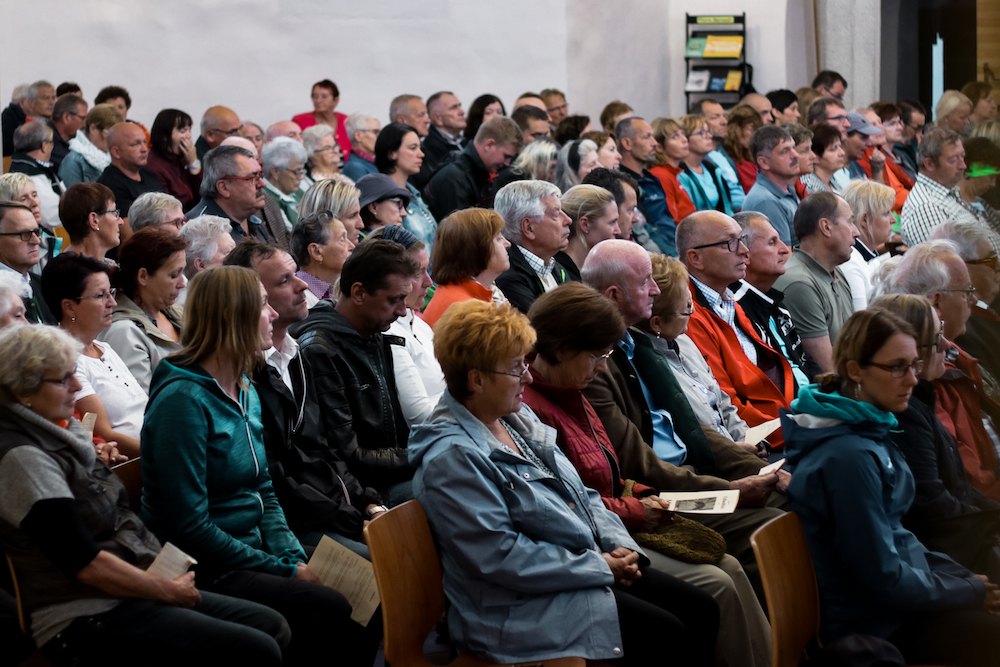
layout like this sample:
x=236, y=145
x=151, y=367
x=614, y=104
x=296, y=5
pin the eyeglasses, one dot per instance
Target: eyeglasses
x=685, y=313
x=989, y=262
x=228, y=133
x=65, y=380
x=969, y=292
x=561, y=107
x=598, y=358
x=398, y=202
x=26, y=235
x=938, y=341
x=256, y=176
x=702, y=133
x=900, y=369
x=895, y=122
x=514, y=374
x=76, y=115
x=117, y=213
x=177, y=223
x=326, y=148
x=300, y=172
x=109, y=295
x=732, y=245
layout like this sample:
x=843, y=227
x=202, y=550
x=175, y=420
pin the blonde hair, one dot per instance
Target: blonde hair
x=103, y=117
x=672, y=278
x=584, y=201
x=949, y=102
x=663, y=128
x=988, y=129
x=222, y=315
x=869, y=197
x=11, y=185
x=329, y=195
x=691, y=123
x=28, y=352
x=806, y=96
x=476, y=334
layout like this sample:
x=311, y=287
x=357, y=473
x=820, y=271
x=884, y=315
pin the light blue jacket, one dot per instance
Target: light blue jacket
x=520, y=548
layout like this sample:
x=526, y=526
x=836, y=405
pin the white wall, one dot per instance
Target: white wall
x=261, y=57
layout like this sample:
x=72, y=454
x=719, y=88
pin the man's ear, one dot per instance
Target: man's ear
x=358, y=294
x=824, y=225
x=527, y=230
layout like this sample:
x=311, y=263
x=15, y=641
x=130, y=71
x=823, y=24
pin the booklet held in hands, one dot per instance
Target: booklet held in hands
x=702, y=502
x=171, y=562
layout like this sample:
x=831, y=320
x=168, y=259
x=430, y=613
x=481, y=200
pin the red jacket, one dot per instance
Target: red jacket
x=895, y=178
x=756, y=397
x=961, y=402
x=678, y=202
x=581, y=436
x=308, y=119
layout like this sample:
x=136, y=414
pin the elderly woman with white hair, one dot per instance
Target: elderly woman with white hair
x=209, y=241
x=13, y=291
x=535, y=162
x=871, y=203
x=323, y=152
x=284, y=161
x=576, y=160
x=982, y=330
x=363, y=130
x=953, y=111
x=157, y=209
x=340, y=199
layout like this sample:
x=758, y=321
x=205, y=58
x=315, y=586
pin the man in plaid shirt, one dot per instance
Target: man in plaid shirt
x=935, y=198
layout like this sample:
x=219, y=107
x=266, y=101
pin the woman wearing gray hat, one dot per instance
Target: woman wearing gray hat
x=383, y=202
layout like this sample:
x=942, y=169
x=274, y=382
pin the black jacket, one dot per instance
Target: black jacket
x=60, y=147
x=982, y=339
x=353, y=380
x=25, y=164
x=437, y=151
x=948, y=514
x=35, y=309
x=12, y=118
x=315, y=488
x=462, y=183
x=520, y=284
x=760, y=312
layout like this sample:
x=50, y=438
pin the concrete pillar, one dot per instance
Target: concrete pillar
x=850, y=42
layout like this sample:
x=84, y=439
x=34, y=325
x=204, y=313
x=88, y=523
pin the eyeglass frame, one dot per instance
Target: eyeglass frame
x=64, y=380
x=111, y=292
x=991, y=262
x=744, y=239
x=598, y=358
x=256, y=176
x=37, y=231
x=939, y=340
x=176, y=223
x=524, y=366
x=228, y=133
x=917, y=367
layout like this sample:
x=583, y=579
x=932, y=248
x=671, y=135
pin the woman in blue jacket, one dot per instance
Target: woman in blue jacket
x=851, y=487
x=206, y=486
x=535, y=566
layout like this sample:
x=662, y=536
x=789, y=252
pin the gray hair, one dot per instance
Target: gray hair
x=12, y=183
x=766, y=139
x=566, y=177
x=934, y=141
x=745, y=220
x=313, y=228
x=536, y=158
x=922, y=270
x=218, y=163
x=29, y=353
x=11, y=287
x=30, y=136
x=31, y=93
x=519, y=200
x=400, y=106
x=280, y=153
x=20, y=92
x=202, y=234
x=965, y=235
x=312, y=135
x=149, y=208
x=356, y=122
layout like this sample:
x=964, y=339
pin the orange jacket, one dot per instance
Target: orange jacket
x=756, y=397
x=895, y=178
x=678, y=201
x=445, y=295
x=961, y=403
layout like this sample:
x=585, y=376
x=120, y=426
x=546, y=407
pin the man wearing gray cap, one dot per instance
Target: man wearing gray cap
x=859, y=133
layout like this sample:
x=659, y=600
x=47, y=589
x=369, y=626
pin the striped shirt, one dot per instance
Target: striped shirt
x=929, y=204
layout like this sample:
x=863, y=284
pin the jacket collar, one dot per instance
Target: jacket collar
x=128, y=310
x=449, y=409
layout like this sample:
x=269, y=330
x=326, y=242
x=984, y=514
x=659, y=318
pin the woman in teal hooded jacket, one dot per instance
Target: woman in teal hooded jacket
x=206, y=486
x=851, y=487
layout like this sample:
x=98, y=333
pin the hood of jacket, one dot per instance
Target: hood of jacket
x=167, y=373
x=817, y=418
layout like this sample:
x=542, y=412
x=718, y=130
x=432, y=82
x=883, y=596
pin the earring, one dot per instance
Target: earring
x=72, y=319
x=857, y=391
x=657, y=333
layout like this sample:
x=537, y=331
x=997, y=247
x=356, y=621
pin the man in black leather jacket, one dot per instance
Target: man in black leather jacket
x=350, y=366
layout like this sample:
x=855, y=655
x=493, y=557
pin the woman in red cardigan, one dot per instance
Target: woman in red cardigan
x=577, y=328
x=325, y=98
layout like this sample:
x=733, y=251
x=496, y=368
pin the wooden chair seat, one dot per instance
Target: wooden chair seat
x=411, y=590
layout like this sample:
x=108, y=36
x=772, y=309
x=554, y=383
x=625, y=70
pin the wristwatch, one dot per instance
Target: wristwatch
x=372, y=511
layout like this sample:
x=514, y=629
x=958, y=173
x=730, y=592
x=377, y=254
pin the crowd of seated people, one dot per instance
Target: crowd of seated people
x=297, y=327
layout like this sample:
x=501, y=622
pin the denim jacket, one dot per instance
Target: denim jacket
x=520, y=547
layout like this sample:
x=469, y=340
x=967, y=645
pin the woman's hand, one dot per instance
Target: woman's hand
x=624, y=564
x=188, y=150
x=303, y=572
x=991, y=603
x=108, y=452
x=656, y=513
x=181, y=592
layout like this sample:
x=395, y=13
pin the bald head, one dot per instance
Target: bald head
x=283, y=128
x=761, y=105
x=621, y=271
x=702, y=246
x=242, y=143
x=219, y=123
x=693, y=230
x=127, y=146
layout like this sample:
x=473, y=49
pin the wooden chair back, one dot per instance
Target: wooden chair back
x=786, y=570
x=21, y=621
x=6, y=163
x=130, y=473
x=408, y=573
